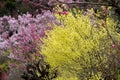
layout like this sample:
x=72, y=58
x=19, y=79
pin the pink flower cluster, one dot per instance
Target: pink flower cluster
x=21, y=36
x=63, y=13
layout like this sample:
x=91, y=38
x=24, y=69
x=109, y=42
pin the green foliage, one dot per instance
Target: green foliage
x=3, y=63
x=7, y=6
x=82, y=50
x=13, y=7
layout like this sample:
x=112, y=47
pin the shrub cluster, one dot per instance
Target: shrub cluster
x=83, y=47
x=19, y=43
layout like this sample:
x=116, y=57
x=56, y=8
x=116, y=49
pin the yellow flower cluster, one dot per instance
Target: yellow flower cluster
x=74, y=45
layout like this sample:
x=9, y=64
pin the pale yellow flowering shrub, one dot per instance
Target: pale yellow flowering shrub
x=80, y=50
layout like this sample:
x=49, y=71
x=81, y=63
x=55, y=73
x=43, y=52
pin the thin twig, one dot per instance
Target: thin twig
x=88, y=3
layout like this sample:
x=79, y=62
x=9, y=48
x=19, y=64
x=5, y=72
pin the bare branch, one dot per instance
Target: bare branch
x=88, y=3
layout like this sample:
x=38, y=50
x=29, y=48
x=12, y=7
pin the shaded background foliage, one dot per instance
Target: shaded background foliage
x=14, y=7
